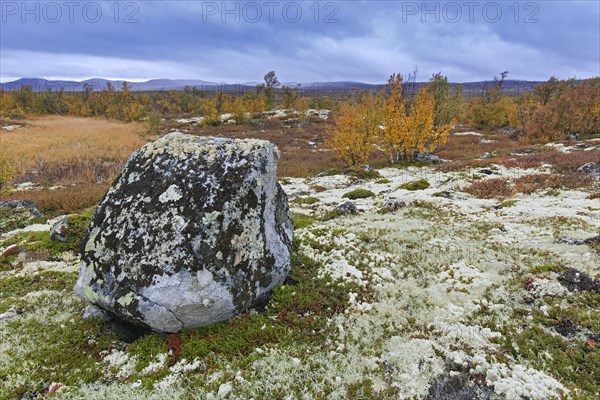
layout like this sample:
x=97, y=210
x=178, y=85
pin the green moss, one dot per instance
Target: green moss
x=415, y=185
x=362, y=173
x=331, y=172
x=147, y=348
x=359, y=194
x=332, y=214
x=306, y=200
x=18, y=286
x=6, y=262
x=560, y=338
x=40, y=241
x=506, y=204
x=486, y=227
x=364, y=390
x=425, y=204
x=540, y=269
x=302, y=220
x=383, y=181
x=78, y=225
x=67, y=353
x=440, y=194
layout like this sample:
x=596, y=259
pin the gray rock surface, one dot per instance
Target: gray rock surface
x=193, y=231
x=592, y=168
x=428, y=157
x=347, y=208
x=392, y=205
x=60, y=229
x=26, y=204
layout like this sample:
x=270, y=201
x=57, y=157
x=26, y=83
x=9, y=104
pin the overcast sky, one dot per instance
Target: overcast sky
x=303, y=41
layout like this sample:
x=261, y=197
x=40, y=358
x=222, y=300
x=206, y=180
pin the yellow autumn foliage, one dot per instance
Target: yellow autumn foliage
x=394, y=135
x=399, y=131
x=422, y=134
x=356, y=129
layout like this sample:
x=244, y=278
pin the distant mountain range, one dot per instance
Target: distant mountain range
x=39, y=85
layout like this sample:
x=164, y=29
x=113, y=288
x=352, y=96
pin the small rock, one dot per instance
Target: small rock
x=581, y=146
x=8, y=315
x=428, y=157
x=488, y=155
x=60, y=229
x=507, y=131
x=592, y=168
x=392, y=205
x=521, y=153
x=12, y=127
x=595, y=240
x=486, y=171
x=347, y=208
x=445, y=194
x=573, y=241
x=566, y=327
x=577, y=281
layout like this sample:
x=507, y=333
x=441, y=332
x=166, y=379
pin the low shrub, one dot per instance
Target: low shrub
x=318, y=188
x=306, y=200
x=415, y=185
x=359, y=194
x=490, y=188
x=531, y=183
x=302, y=220
x=362, y=173
x=333, y=214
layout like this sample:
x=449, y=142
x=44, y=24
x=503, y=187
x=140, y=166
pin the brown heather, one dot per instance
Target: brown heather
x=490, y=188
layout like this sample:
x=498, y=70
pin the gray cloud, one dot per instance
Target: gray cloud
x=362, y=40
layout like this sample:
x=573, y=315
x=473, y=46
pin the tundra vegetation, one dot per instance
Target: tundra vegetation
x=483, y=284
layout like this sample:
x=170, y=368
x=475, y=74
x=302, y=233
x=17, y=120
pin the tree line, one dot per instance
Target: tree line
x=404, y=119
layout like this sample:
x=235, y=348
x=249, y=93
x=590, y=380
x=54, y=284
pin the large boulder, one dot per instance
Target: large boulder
x=193, y=231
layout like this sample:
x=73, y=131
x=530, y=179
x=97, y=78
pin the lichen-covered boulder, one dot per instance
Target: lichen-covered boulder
x=192, y=232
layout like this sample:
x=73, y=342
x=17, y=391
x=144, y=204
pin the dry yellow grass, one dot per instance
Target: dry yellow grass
x=71, y=199
x=70, y=149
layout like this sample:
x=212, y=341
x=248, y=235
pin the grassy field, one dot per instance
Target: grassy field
x=69, y=150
